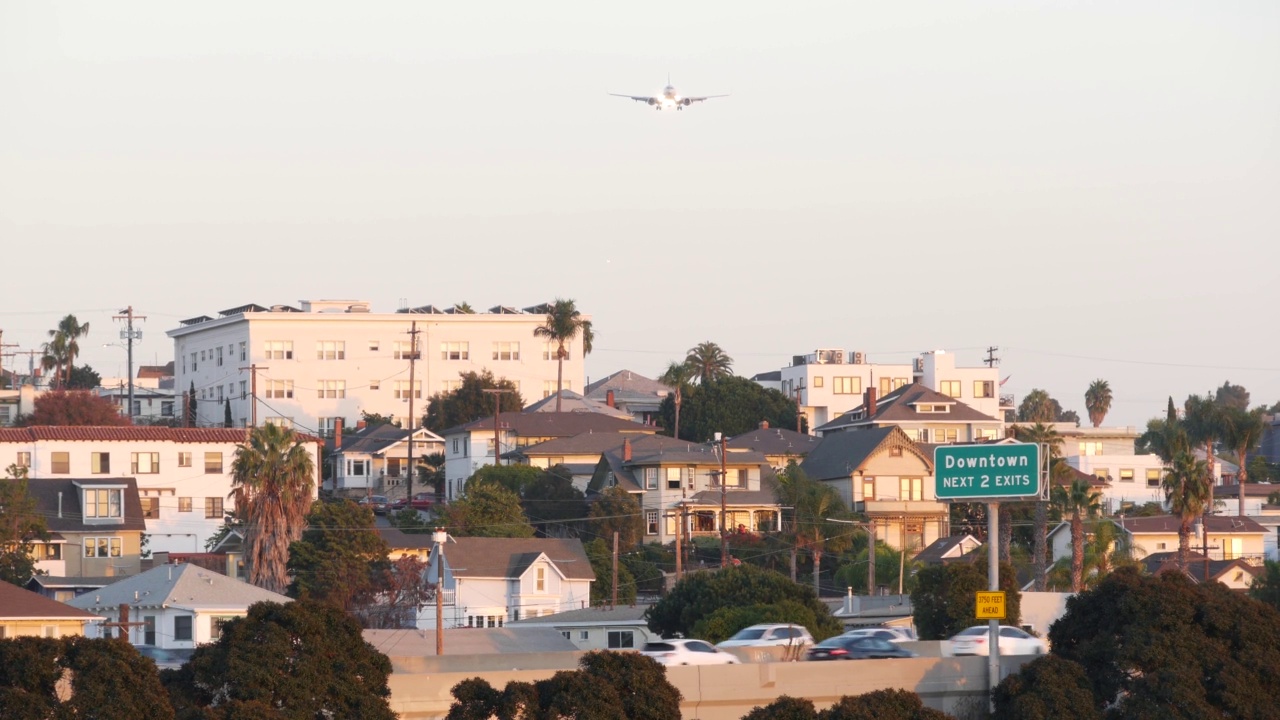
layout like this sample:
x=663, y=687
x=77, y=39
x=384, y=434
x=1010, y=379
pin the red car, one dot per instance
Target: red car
x=422, y=501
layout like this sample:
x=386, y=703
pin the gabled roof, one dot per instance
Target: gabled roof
x=21, y=604
x=947, y=548
x=377, y=438
x=548, y=424
x=774, y=441
x=900, y=406
x=591, y=443
x=156, y=371
x=629, y=387
x=480, y=557
x=841, y=454
x=571, y=401
x=1162, y=562
x=184, y=586
x=58, y=582
x=1170, y=524
x=58, y=500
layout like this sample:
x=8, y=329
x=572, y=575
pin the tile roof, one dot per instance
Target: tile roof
x=839, y=454
x=58, y=500
x=480, y=557
x=774, y=441
x=130, y=433
x=155, y=371
x=897, y=407
x=1217, y=524
x=22, y=604
x=549, y=424
x=185, y=586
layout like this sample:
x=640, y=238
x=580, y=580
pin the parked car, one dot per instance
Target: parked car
x=377, y=503
x=845, y=647
x=688, y=652
x=892, y=634
x=1013, y=641
x=769, y=635
x=422, y=501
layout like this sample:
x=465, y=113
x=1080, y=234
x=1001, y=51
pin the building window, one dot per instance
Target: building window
x=332, y=389
x=216, y=626
x=984, y=389
x=846, y=385
x=279, y=389
x=911, y=489
x=550, y=351
x=455, y=351
x=868, y=489
x=403, y=350
x=184, y=504
x=149, y=630
x=213, y=508
x=621, y=639
x=61, y=463
x=243, y=350
x=100, y=463
x=218, y=354
x=651, y=478
x=1153, y=477
x=886, y=386
x=103, y=547
x=568, y=635
x=673, y=478
x=651, y=522
x=1126, y=474
x=448, y=386
x=102, y=503
x=895, y=451
x=817, y=381
x=944, y=435
x=182, y=627
x=24, y=459
x=145, y=463
x=950, y=388
x=244, y=389
x=194, y=365
x=213, y=463
x=506, y=351
x=166, y=408
x=542, y=580
x=375, y=385
x=374, y=346
x=738, y=477
x=1102, y=474
x=1091, y=447
x=331, y=350
x=279, y=349
x=356, y=468
x=150, y=507
x=402, y=389
x=184, y=459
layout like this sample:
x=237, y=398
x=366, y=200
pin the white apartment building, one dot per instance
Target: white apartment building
x=832, y=382
x=328, y=359
x=183, y=475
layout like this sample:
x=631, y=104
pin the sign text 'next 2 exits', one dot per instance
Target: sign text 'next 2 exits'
x=979, y=472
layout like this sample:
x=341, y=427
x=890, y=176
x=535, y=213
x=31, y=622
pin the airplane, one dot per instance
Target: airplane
x=669, y=99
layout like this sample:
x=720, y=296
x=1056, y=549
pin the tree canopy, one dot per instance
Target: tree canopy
x=469, y=402
x=553, y=504
x=1232, y=396
x=616, y=510
x=273, y=477
x=340, y=559
x=1039, y=406
x=110, y=680
x=21, y=524
x=84, y=377
x=73, y=407
x=944, y=599
x=564, y=323
x=487, y=510
x=707, y=363
x=729, y=405
x=1047, y=688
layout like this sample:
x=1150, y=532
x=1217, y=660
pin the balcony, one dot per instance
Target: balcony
x=1007, y=400
x=887, y=507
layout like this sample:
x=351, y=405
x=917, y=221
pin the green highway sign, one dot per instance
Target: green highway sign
x=979, y=472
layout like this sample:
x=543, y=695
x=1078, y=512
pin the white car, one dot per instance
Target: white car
x=892, y=634
x=769, y=635
x=687, y=652
x=1013, y=641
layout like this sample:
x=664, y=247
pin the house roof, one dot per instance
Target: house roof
x=62, y=583
x=628, y=388
x=479, y=557
x=128, y=433
x=404, y=645
x=22, y=604
x=1262, y=490
x=1170, y=524
x=770, y=376
x=185, y=586
x=591, y=443
x=734, y=497
x=939, y=549
x=840, y=454
x=549, y=424
x=899, y=406
x=58, y=500
x=1162, y=562
x=377, y=438
x=155, y=371
x=774, y=441
x=692, y=454
x=571, y=401
x=622, y=614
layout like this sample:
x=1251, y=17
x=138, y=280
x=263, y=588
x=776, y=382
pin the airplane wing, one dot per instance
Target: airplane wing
x=637, y=98
x=705, y=97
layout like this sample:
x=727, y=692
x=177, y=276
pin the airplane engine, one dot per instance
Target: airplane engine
x=653, y=101
x=686, y=102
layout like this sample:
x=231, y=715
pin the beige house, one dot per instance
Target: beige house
x=1230, y=538
x=95, y=526
x=27, y=613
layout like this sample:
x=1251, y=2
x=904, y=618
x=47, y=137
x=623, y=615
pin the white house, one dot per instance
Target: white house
x=183, y=475
x=377, y=458
x=489, y=581
x=598, y=628
x=328, y=359
x=179, y=606
x=1230, y=538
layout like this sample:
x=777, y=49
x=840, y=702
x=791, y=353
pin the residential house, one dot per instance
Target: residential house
x=683, y=488
x=1230, y=538
x=948, y=549
x=632, y=393
x=771, y=380
x=153, y=394
x=882, y=473
x=16, y=402
x=376, y=458
x=1107, y=453
x=779, y=445
x=598, y=628
x=571, y=401
x=925, y=415
x=63, y=589
x=183, y=476
x=490, y=581
x=469, y=447
x=581, y=453
x=95, y=525
x=24, y=613
x=330, y=359
x=1235, y=574
x=178, y=606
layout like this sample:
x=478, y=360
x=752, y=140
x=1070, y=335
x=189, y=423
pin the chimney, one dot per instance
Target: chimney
x=626, y=450
x=871, y=402
x=764, y=424
x=337, y=434
x=361, y=424
x=609, y=399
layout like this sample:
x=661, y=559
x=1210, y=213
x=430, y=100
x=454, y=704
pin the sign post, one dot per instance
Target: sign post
x=989, y=472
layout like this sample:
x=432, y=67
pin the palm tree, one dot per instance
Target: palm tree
x=54, y=359
x=69, y=330
x=272, y=483
x=1097, y=401
x=1206, y=425
x=1244, y=431
x=1188, y=490
x=813, y=503
x=709, y=362
x=1106, y=549
x=676, y=376
x=1081, y=502
x=1043, y=435
x=1165, y=438
x=564, y=323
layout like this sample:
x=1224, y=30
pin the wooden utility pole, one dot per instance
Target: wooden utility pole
x=679, y=533
x=123, y=623
x=253, y=369
x=439, y=536
x=991, y=360
x=799, y=412
x=614, y=604
x=413, y=358
x=4, y=354
x=129, y=336
x=497, y=410
x=724, y=482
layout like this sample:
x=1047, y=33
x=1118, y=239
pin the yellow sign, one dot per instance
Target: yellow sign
x=990, y=605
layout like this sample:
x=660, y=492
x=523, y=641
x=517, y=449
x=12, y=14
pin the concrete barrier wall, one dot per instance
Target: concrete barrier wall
x=727, y=692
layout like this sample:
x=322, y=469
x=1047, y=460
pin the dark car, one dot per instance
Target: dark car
x=844, y=647
x=377, y=503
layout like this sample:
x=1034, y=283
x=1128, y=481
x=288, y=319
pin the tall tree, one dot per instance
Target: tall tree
x=1045, y=436
x=1243, y=430
x=21, y=525
x=563, y=324
x=469, y=401
x=1187, y=490
x=813, y=504
x=191, y=406
x=84, y=378
x=487, y=510
x=54, y=359
x=1107, y=548
x=553, y=504
x=708, y=362
x=1080, y=502
x=1232, y=396
x=730, y=405
x=74, y=407
x=677, y=377
x=69, y=332
x=226, y=413
x=272, y=480
x=1097, y=401
x=1039, y=407
x=340, y=558
x=616, y=510
x=1205, y=422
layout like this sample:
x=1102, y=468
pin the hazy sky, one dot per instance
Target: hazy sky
x=1092, y=187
